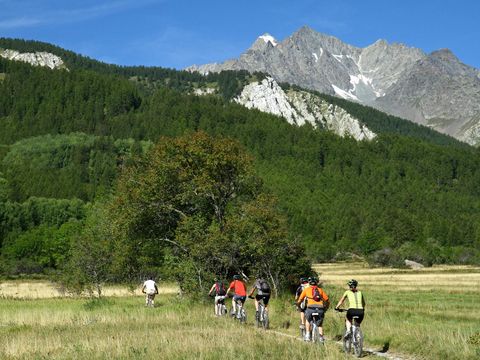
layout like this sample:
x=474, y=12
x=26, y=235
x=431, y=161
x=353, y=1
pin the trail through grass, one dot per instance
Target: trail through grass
x=430, y=314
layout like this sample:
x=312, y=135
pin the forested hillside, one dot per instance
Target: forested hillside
x=66, y=135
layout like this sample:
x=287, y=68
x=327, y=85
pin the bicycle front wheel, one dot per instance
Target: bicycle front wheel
x=347, y=342
x=358, y=342
x=266, y=321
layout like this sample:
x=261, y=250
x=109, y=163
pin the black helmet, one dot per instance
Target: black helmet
x=352, y=283
x=312, y=280
x=236, y=277
x=303, y=280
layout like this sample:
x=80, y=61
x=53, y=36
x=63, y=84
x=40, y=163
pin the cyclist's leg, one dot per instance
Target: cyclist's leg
x=216, y=306
x=320, y=321
x=308, y=318
x=302, y=317
x=234, y=304
x=266, y=299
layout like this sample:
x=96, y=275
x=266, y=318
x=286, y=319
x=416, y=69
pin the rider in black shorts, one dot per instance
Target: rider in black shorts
x=263, y=292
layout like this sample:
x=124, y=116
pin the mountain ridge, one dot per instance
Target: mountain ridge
x=395, y=78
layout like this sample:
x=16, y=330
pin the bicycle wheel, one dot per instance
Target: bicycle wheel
x=302, y=331
x=266, y=321
x=258, y=316
x=357, y=342
x=347, y=342
x=243, y=316
x=316, y=335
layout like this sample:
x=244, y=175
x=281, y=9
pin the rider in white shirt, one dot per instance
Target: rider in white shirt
x=150, y=289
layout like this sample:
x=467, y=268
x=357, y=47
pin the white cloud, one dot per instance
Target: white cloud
x=51, y=14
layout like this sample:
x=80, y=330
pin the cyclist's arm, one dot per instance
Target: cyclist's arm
x=156, y=289
x=302, y=296
x=211, y=289
x=143, y=289
x=326, y=300
x=340, y=303
x=363, y=301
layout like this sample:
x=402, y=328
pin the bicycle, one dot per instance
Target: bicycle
x=314, y=325
x=354, y=338
x=240, y=314
x=220, y=307
x=261, y=317
x=150, y=300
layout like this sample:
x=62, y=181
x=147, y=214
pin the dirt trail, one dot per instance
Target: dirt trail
x=366, y=350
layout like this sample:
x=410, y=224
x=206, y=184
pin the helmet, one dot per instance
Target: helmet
x=352, y=283
x=236, y=277
x=312, y=280
x=303, y=280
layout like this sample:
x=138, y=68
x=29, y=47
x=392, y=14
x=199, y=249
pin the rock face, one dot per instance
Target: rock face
x=300, y=107
x=436, y=90
x=36, y=59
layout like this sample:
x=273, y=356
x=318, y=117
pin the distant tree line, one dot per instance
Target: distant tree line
x=63, y=134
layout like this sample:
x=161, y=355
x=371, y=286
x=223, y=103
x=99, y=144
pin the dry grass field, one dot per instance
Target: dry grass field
x=432, y=313
x=427, y=314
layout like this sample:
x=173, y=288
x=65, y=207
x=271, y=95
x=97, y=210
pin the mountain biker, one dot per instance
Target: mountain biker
x=150, y=289
x=219, y=290
x=356, y=304
x=239, y=291
x=317, y=301
x=303, y=305
x=263, y=292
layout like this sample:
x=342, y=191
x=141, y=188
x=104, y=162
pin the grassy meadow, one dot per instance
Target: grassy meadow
x=426, y=314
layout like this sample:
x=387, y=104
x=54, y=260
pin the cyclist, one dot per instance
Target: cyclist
x=219, y=289
x=150, y=289
x=317, y=301
x=263, y=293
x=239, y=292
x=303, y=305
x=356, y=304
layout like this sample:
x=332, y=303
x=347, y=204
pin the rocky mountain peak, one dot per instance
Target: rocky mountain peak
x=437, y=90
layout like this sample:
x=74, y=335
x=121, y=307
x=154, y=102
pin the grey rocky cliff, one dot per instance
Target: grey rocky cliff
x=300, y=107
x=36, y=59
x=435, y=90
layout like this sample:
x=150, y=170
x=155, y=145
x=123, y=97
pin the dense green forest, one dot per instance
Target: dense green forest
x=67, y=135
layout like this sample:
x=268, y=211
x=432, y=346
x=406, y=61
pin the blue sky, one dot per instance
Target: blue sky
x=178, y=33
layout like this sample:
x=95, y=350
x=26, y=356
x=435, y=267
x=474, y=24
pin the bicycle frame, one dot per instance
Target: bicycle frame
x=314, y=331
x=262, y=316
x=240, y=315
x=220, y=307
x=354, y=337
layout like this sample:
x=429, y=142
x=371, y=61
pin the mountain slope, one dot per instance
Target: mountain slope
x=436, y=90
x=395, y=192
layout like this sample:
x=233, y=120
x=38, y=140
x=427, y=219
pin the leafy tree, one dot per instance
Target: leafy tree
x=179, y=206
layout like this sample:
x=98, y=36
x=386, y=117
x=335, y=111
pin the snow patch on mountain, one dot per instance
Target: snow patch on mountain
x=36, y=59
x=268, y=39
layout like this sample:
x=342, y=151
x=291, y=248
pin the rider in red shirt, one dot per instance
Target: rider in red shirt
x=240, y=291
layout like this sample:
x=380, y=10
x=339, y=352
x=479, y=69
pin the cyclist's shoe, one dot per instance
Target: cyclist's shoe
x=322, y=339
x=346, y=335
x=306, y=337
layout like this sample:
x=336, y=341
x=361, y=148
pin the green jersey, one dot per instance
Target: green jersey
x=355, y=299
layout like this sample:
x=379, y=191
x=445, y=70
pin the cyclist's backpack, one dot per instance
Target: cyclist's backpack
x=316, y=294
x=264, y=287
x=220, y=289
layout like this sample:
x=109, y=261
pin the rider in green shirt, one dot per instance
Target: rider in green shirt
x=356, y=304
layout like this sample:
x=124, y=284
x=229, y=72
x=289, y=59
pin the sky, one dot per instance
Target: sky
x=180, y=33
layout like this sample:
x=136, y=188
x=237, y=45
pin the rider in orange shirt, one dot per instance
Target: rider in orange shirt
x=317, y=301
